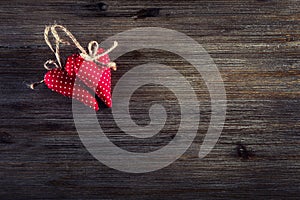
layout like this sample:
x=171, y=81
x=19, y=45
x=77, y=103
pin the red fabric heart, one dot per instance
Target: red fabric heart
x=59, y=81
x=95, y=77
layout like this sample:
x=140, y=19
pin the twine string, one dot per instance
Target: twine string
x=93, y=47
x=48, y=62
x=58, y=41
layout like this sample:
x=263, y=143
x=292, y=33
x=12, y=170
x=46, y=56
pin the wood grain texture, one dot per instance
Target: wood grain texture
x=255, y=44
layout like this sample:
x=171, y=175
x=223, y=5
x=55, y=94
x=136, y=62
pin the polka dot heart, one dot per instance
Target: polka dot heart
x=86, y=66
x=59, y=81
x=95, y=77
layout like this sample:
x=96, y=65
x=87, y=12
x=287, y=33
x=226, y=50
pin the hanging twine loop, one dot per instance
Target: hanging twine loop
x=92, y=55
x=93, y=47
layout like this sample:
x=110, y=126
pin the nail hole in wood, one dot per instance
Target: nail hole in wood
x=102, y=6
x=148, y=12
x=6, y=138
x=243, y=152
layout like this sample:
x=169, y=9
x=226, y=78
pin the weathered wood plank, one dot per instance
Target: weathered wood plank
x=255, y=45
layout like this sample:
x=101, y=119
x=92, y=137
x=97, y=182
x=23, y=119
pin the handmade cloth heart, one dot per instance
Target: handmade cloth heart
x=95, y=77
x=58, y=80
x=62, y=80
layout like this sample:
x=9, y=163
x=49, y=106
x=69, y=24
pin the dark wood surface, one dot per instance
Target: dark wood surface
x=255, y=44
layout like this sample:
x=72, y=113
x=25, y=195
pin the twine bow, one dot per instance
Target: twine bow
x=93, y=56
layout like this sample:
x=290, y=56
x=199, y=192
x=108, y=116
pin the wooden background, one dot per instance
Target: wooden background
x=255, y=44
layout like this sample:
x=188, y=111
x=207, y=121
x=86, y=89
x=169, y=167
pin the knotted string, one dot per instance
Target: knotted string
x=92, y=55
